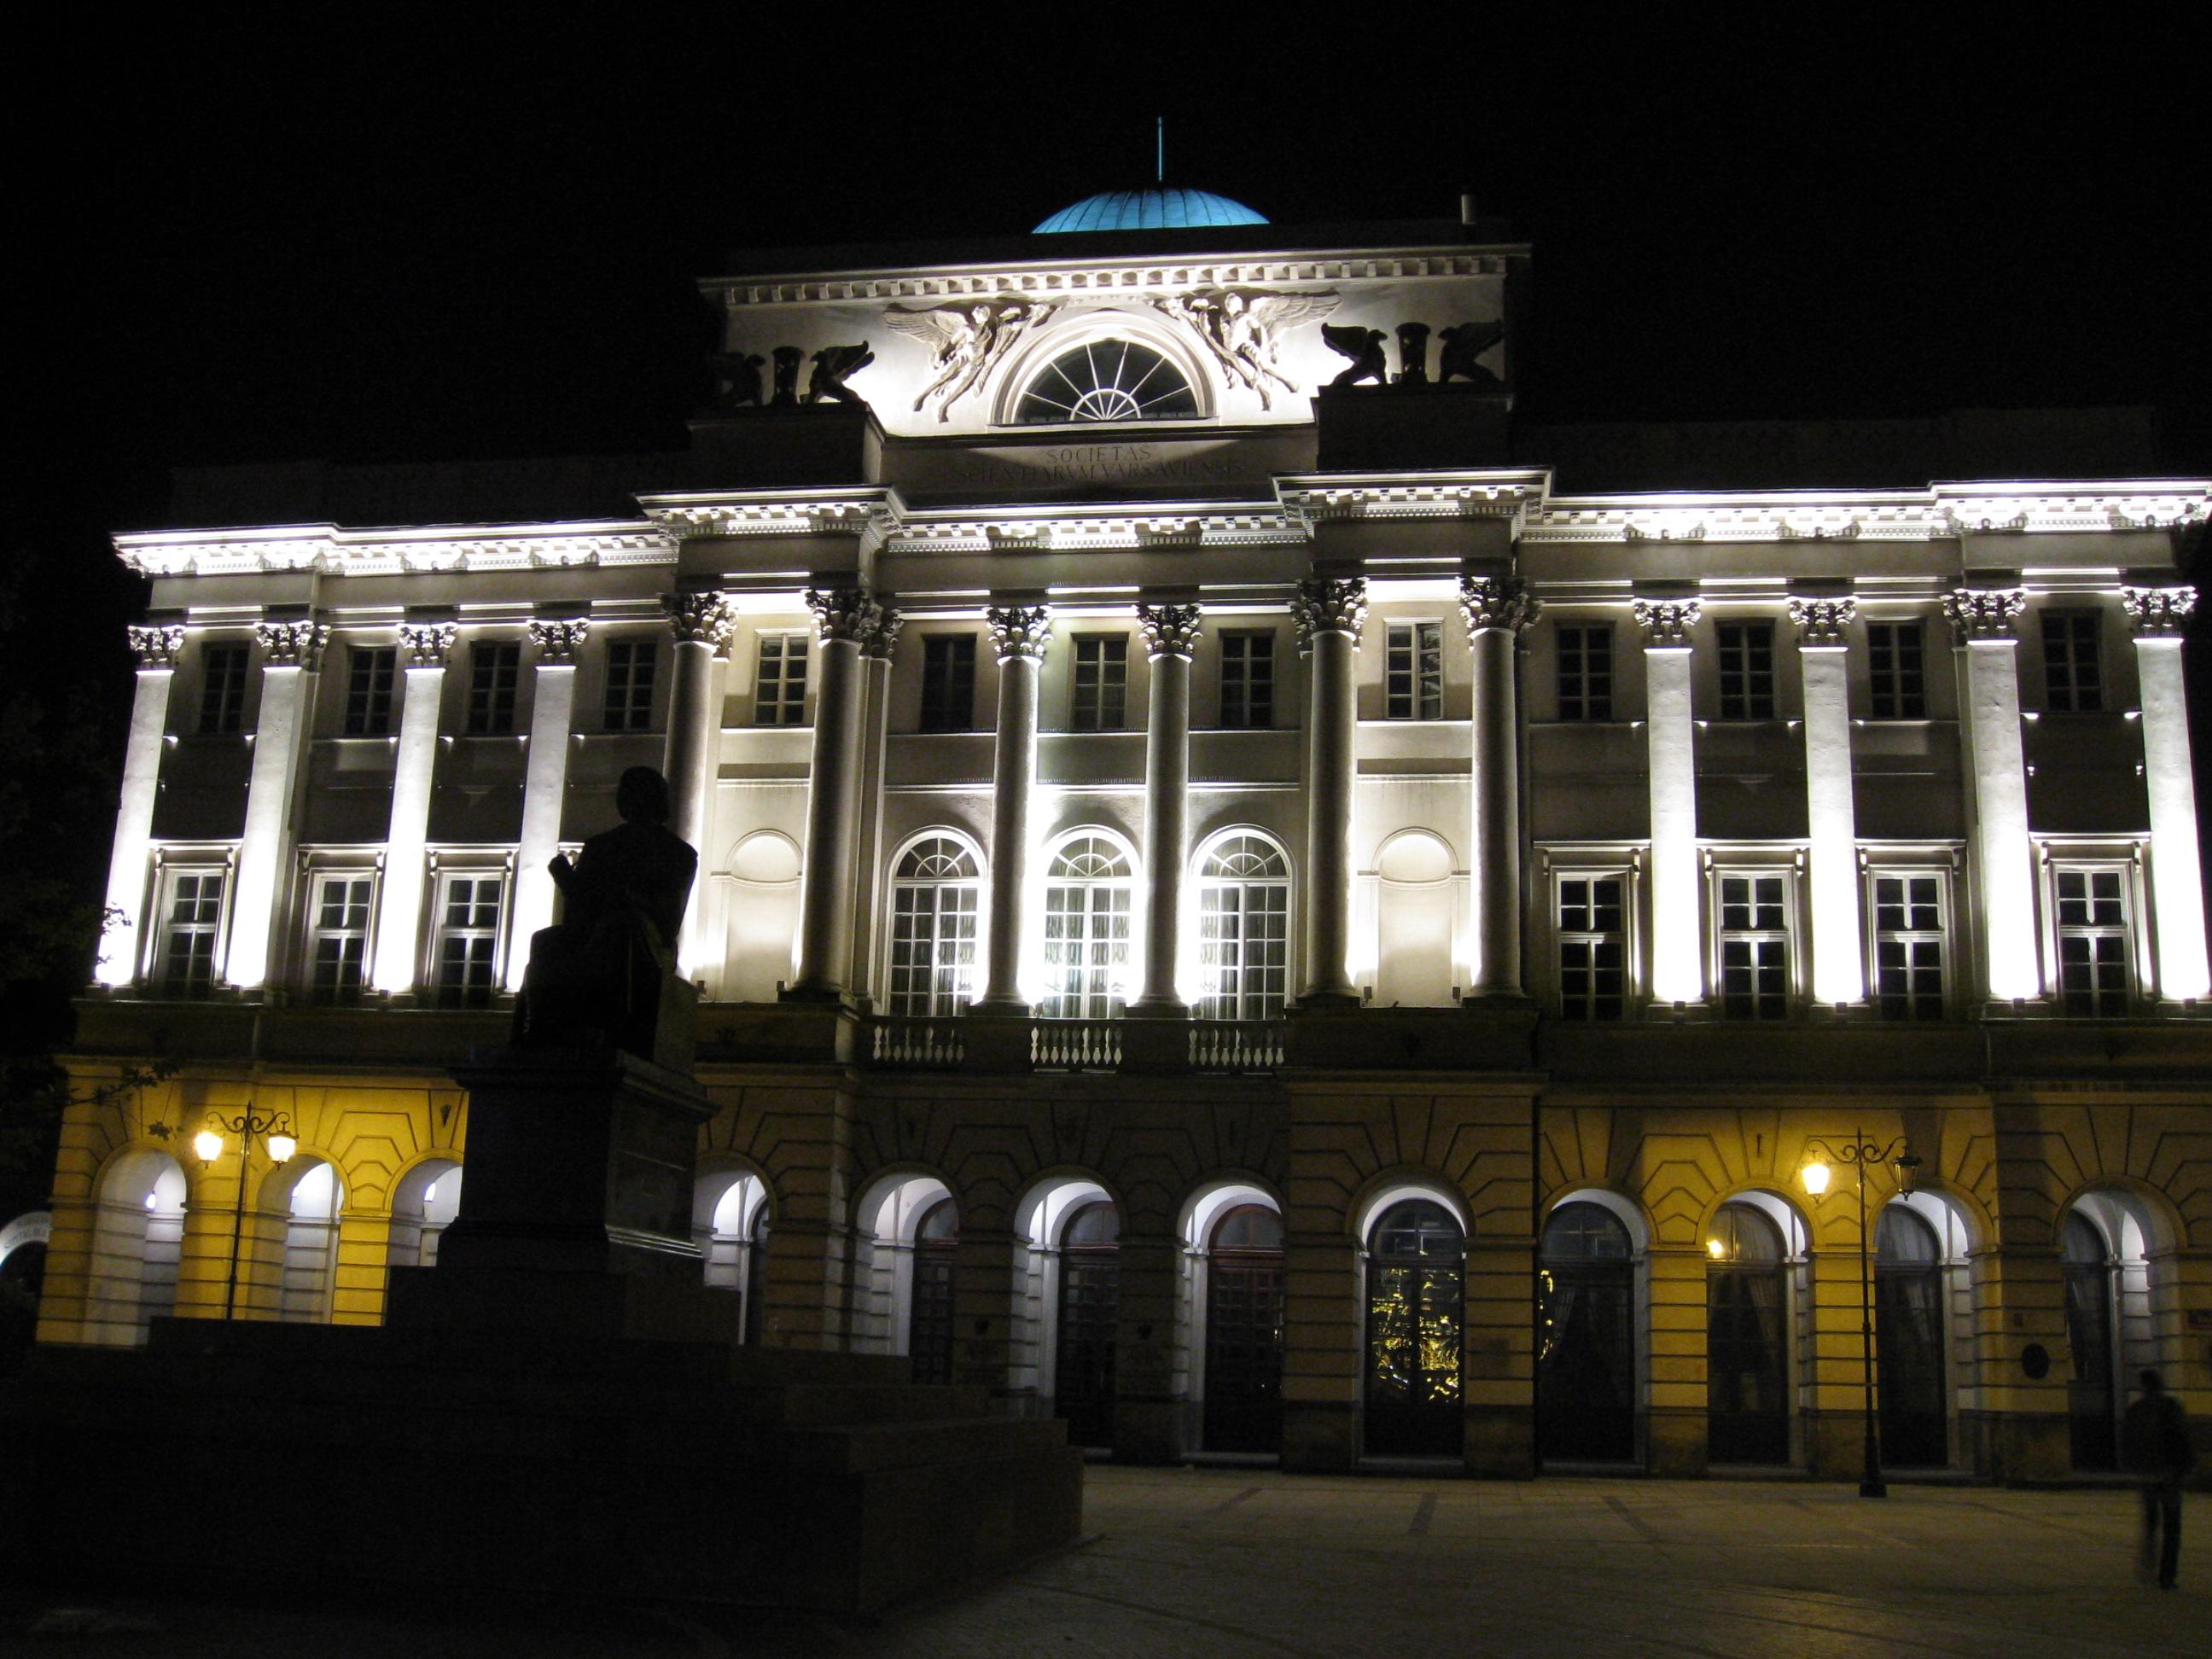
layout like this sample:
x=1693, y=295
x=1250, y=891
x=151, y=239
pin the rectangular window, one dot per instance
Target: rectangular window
x=1747, y=652
x=370, y=677
x=1754, y=939
x=1895, y=671
x=948, y=682
x=191, y=920
x=1908, y=947
x=2073, y=676
x=1102, y=673
x=495, y=671
x=1585, y=671
x=1248, y=678
x=1414, y=671
x=629, y=685
x=468, y=939
x=223, y=688
x=780, y=682
x=338, y=946
x=2092, y=942
x=1593, y=936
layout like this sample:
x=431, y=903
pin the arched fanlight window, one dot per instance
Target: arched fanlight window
x=1086, y=930
x=934, y=896
x=1244, y=930
x=1106, y=380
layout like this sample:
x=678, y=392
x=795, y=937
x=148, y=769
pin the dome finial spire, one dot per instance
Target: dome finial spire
x=1160, y=151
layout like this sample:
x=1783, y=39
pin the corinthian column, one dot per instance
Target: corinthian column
x=291, y=651
x=844, y=618
x=1020, y=633
x=1831, y=818
x=1678, y=973
x=122, y=944
x=1497, y=610
x=1170, y=635
x=545, y=784
x=399, y=915
x=1329, y=614
x=2177, y=881
x=1982, y=631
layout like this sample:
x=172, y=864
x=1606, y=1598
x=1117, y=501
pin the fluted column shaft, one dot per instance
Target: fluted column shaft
x=1020, y=633
x=1831, y=816
x=1170, y=635
x=1331, y=613
x=2177, y=879
x=545, y=783
x=1496, y=610
x=291, y=652
x=1678, y=971
x=122, y=944
x=1982, y=627
x=843, y=617
x=414, y=769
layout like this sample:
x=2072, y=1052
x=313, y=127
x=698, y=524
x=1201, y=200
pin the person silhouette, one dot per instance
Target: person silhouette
x=2154, y=1437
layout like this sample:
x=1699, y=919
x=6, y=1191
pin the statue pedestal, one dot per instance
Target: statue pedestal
x=576, y=1213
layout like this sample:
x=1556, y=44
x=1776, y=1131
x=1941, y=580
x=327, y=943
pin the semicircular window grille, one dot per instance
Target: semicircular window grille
x=1106, y=380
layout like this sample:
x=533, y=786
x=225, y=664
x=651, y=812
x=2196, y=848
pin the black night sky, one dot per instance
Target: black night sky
x=278, y=239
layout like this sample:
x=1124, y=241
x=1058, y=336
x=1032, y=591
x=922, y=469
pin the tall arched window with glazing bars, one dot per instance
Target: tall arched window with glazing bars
x=935, y=893
x=1086, y=930
x=1244, y=930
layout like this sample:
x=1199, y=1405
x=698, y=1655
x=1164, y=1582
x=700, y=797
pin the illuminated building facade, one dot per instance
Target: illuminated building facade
x=1232, y=910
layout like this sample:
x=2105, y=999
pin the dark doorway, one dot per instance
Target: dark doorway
x=2091, y=1407
x=756, y=1280
x=929, y=1309
x=1746, y=1356
x=1416, y=1292
x=1908, y=1340
x=1586, y=1341
x=1244, y=1332
x=1090, y=1304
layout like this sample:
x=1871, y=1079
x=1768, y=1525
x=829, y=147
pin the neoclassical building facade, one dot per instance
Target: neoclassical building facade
x=1231, y=911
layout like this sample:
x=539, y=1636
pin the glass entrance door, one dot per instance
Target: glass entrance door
x=1586, y=1354
x=1416, y=1292
x=1244, y=1332
x=2091, y=1396
x=929, y=1316
x=1908, y=1340
x=1747, y=1362
x=1090, y=1304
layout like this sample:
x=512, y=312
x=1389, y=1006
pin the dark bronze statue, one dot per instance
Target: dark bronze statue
x=1413, y=353
x=737, y=380
x=1364, y=347
x=606, y=968
x=831, y=365
x=787, y=359
x=1458, y=348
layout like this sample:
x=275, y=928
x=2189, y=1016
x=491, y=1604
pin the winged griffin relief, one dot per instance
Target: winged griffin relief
x=966, y=342
x=1243, y=327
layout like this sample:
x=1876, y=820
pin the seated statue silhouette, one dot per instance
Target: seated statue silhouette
x=607, y=973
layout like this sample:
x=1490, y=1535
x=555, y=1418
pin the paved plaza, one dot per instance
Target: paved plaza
x=1233, y=1562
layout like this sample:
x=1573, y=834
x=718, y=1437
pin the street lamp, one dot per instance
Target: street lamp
x=277, y=1129
x=1858, y=1153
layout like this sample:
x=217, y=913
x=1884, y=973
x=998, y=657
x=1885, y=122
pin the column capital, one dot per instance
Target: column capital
x=1170, y=630
x=559, y=639
x=697, y=618
x=1822, y=622
x=293, y=644
x=157, y=648
x=1666, y=622
x=844, y=613
x=2156, y=613
x=427, y=644
x=1983, y=613
x=1489, y=602
x=1020, y=630
x=1327, y=605
x=882, y=638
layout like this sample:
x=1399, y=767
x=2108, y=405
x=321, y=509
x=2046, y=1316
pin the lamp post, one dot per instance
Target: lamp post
x=277, y=1129
x=1858, y=1153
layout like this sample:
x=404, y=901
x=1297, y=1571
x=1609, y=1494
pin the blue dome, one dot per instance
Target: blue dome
x=1157, y=208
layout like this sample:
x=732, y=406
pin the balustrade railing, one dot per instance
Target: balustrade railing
x=1075, y=1045
x=917, y=1045
x=1235, y=1045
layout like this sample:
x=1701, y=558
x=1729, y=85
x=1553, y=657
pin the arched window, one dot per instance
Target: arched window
x=1586, y=1357
x=1747, y=1360
x=1416, y=1291
x=311, y=1246
x=1086, y=930
x=423, y=1206
x=137, y=1243
x=2092, y=1396
x=1107, y=380
x=935, y=896
x=1245, y=1331
x=929, y=1322
x=1244, y=930
x=1908, y=1340
x=1090, y=1306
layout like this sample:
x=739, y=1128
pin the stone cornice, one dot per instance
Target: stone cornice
x=2156, y=613
x=1940, y=512
x=1325, y=497
x=328, y=550
x=1168, y=529
x=1170, y=630
x=868, y=512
